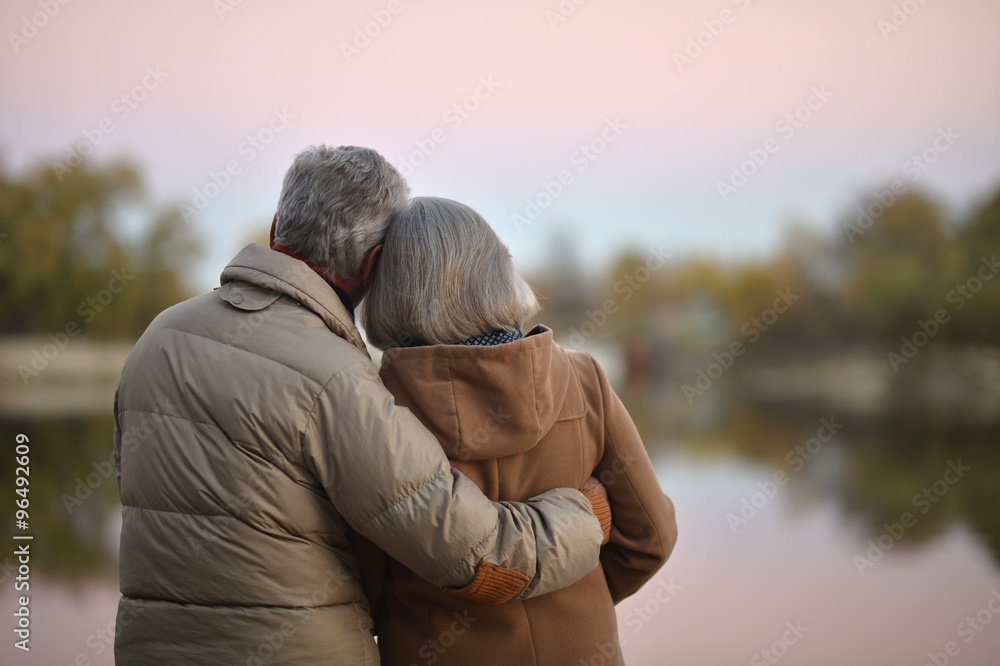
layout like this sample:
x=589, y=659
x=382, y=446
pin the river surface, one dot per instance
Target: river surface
x=793, y=549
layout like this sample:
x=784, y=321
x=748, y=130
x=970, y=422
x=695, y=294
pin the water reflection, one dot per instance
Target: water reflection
x=873, y=471
x=73, y=494
x=794, y=552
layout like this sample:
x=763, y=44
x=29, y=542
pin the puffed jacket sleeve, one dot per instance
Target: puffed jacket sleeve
x=390, y=480
x=644, y=527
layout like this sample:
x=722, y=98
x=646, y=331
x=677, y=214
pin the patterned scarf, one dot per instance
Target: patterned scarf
x=498, y=337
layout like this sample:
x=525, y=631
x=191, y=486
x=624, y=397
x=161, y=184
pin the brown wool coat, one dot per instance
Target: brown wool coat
x=518, y=419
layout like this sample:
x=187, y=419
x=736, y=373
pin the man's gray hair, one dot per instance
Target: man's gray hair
x=443, y=276
x=336, y=204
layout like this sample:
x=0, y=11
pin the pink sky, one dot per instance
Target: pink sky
x=556, y=86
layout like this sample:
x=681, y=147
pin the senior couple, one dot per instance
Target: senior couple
x=284, y=502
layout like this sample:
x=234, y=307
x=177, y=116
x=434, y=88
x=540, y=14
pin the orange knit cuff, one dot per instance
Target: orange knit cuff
x=599, y=505
x=492, y=585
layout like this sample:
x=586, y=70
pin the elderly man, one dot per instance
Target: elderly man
x=251, y=431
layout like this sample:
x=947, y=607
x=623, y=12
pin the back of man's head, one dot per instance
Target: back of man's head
x=336, y=204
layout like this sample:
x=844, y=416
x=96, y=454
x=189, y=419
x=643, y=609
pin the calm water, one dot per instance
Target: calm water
x=799, y=551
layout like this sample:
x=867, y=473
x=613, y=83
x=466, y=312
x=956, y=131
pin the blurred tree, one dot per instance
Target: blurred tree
x=978, y=319
x=562, y=288
x=899, y=268
x=814, y=269
x=65, y=260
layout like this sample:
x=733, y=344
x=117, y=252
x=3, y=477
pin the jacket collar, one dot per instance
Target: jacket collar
x=334, y=283
x=283, y=274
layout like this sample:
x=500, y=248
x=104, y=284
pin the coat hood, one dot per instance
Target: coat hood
x=484, y=403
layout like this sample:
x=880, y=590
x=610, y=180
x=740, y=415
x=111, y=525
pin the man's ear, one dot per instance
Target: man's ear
x=368, y=263
x=274, y=225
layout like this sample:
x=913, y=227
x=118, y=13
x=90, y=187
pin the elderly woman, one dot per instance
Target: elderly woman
x=517, y=414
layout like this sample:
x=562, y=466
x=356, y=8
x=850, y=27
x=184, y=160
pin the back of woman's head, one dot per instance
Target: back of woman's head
x=443, y=277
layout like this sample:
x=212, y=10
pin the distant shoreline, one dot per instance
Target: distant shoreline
x=38, y=378
x=946, y=385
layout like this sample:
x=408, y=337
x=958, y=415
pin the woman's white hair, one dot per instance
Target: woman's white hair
x=443, y=276
x=336, y=204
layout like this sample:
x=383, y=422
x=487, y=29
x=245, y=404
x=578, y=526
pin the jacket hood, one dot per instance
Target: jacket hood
x=484, y=403
x=252, y=278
